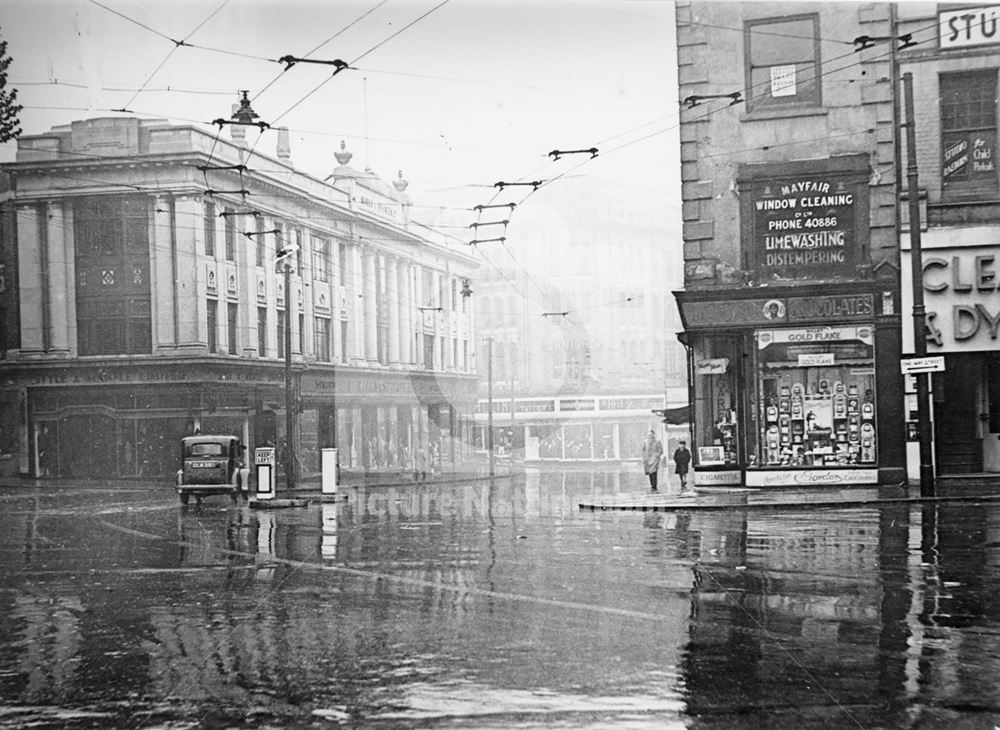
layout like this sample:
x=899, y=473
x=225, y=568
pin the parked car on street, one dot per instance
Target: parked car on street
x=212, y=464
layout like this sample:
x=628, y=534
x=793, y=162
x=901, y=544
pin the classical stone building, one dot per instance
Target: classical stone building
x=142, y=300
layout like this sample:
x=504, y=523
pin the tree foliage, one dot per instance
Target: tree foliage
x=10, y=110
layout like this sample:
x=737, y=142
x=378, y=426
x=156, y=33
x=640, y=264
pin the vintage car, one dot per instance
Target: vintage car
x=212, y=464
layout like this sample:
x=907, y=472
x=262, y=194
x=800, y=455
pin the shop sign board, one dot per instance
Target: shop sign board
x=816, y=359
x=811, y=477
x=842, y=308
x=813, y=335
x=804, y=227
x=961, y=298
x=912, y=365
x=717, y=478
x=969, y=27
x=845, y=307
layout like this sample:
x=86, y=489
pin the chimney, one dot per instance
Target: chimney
x=284, y=146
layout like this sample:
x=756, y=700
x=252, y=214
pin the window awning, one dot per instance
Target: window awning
x=676, y=416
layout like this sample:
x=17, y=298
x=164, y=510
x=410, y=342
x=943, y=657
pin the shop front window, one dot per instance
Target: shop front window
x=816, y=390
x=716, y=367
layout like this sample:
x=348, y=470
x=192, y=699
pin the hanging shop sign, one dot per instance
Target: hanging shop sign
x=712, y=366
x=969, y=27
x=804, y=227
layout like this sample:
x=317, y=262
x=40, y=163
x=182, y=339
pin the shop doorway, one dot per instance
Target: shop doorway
x=957, y=427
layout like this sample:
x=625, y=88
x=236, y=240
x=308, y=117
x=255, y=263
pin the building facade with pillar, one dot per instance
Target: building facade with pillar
x=955, y=88
x=790, y=306
x=142, y=302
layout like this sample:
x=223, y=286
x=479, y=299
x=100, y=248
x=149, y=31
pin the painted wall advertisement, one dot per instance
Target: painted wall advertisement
x=804, y=228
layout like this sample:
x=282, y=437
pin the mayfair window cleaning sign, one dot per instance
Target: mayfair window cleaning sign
x=804, y=228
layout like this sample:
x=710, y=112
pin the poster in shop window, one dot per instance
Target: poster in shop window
x=804, y=227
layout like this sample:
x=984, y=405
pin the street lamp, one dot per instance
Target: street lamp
x=919, y=311
x=284, y=256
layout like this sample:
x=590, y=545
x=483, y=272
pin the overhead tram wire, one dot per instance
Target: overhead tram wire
x=662, y=131
x=328, y=40
x=177, y=43
x=349, y=64
x=366, y=53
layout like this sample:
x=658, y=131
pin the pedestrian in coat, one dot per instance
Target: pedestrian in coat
x=652, y=452
x=682, y=460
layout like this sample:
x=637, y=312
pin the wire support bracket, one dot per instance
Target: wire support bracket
x=868, y=41
x=489, y=223
x=290, y=61
x=556, y=154
x=243, y=191
x=534, y=184
x=735, y=97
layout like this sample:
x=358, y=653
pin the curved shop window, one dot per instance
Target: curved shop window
x=816, y=397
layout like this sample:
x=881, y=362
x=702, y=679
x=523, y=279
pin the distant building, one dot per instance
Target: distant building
x=141, y=301
x=578, y=304
x=791, y=303
x=954, y=70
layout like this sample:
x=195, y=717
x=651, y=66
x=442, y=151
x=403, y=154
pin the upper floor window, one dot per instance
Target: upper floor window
x=300, y=241
x=230, y=228
x=209, y=228
x=321, y=338
x=969, y=134
x=261, y=249
x=782, y=62
x=112, y=275
x=321, y=258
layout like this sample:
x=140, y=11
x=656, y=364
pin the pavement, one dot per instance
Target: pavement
x=947, y=489
x=983, y=487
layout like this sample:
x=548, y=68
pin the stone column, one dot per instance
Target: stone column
x=162, y=276
x=29, y=279
x=355, y=305
x=60, y=265
x=392, y=296
x=190, y=285
x=405, y=315
x=369, y=305
x=417, y=337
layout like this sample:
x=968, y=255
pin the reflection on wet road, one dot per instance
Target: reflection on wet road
x=503, y=605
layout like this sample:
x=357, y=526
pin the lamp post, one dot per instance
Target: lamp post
x=489, y=402
x=284, y=257
x=919, y=312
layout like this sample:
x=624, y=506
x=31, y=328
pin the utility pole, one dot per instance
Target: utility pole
x=285, y=257
x=489, y=402
x=919, y=313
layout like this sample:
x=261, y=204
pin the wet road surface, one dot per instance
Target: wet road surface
x=504, y=605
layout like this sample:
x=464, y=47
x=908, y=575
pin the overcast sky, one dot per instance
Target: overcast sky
x=457, y=94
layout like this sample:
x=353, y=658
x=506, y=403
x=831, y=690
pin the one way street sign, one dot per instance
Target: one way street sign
x=914, y=365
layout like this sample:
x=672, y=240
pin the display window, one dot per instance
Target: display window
x=716, y=383
x=815, y=397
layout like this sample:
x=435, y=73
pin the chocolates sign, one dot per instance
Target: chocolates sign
x=804, y=228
